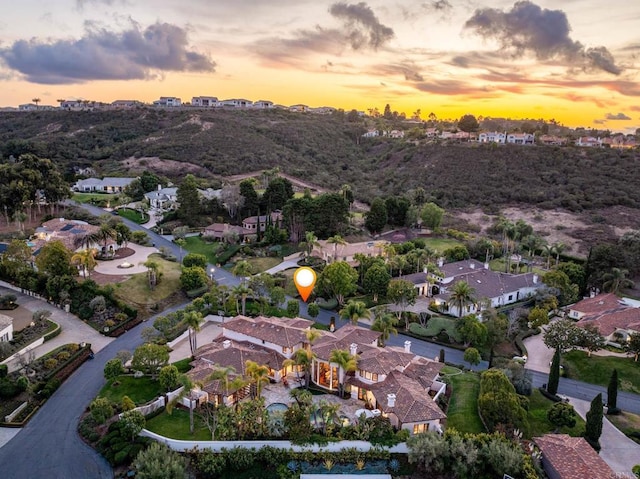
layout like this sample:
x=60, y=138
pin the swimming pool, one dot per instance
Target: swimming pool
x=277, y=406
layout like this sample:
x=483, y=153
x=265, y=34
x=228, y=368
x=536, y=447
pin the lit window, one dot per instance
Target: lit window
x=420, y=428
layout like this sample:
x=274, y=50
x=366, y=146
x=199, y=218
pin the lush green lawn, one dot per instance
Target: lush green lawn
x=259, y=265
x=133, y=215
x=441, y=244
x=538, y=422
x=176, y=426
x=140, y=390
x=463, y=407
x=195, y=244
x=597, y=369
x=135, y=290
x=438, y=323
x=97, y=198
x=183, y=365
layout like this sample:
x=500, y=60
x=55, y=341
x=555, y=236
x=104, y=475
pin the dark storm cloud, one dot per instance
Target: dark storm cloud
x=617, y=116
x=543, y=32
x=105, y=55
x=361, y=26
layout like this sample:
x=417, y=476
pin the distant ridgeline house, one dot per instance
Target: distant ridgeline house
x=616, y=318
x=497, y=288
x=390, y=381
x=104, y=185
x=164, y=198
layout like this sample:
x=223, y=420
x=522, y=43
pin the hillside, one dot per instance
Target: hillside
x=327, y=151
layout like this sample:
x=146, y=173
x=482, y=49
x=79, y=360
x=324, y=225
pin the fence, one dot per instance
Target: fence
x=217, y=446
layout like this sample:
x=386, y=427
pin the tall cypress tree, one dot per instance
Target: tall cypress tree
x=554, y=373
x=612, y=394
x=593, y=427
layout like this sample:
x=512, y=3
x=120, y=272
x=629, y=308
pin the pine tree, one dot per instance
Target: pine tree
x=593, y=428
x=612, y=394
x=554, y=374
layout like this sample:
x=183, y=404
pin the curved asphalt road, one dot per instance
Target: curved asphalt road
x=49, y=446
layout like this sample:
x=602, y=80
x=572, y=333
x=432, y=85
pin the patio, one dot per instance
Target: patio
x=279, y=393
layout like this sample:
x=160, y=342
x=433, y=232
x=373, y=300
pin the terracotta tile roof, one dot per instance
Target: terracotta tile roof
x=412, y=403
x=572, y=457
x=280, y=331
x=237, y=354
x=598, y=304
x=383, y=361
x=424, y=371
x=608, y=322
x=343, y=338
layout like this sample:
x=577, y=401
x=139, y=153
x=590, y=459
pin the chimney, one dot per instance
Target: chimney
x=226, y=344
x=425, y=270
x=159, y=186
x=535, y=279
x=592, y=294
x=391, y=400
x=353, y=349
x=472, y=265
x=486, y=265
x=440, y=262
x=407, y=346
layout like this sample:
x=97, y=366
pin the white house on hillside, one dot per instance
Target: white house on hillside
x=205, y=101
x=492, y=137
x=168, y=102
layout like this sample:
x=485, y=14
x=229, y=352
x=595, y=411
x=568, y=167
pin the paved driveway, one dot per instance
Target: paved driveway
x=620, y=452
x=73, y=329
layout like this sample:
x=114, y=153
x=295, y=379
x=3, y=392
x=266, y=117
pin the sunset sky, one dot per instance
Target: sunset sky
x=573, y=60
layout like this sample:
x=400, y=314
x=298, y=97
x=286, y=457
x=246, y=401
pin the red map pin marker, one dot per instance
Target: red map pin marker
x=304, y=279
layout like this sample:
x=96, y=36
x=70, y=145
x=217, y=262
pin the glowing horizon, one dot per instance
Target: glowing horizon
x=570, y=60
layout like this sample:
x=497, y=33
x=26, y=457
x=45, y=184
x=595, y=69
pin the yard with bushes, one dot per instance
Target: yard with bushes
x=597, y=369
x=136, y=292
x=139, y=390
x=462, y=413
x=133, y=215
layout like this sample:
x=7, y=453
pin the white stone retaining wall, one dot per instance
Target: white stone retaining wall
x=26, y=349
x=217, y=446
x=9, y=417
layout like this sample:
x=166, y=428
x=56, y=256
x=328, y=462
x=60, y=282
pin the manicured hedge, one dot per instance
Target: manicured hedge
x=53, y=333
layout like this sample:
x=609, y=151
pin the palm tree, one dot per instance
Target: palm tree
x=461, y=295
x=222, y=373
x=193, y=320
x=310, y=242
x=532, y=243
x=152, y=272
x=335, y=241
x=241, y=292
x=385, y=323
x=346, y=363
x=420, y=256
x=258, y=374
x=242, y=269
x=547, y=251
x=105, y=233
x=558, y=248
x=616, y=280
x=87, y=259
x=187, y=387
x=355, y=310
x=303, y=358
